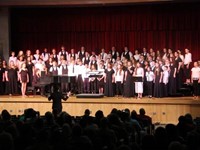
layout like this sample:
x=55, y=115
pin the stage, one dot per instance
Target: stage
x=162, y=110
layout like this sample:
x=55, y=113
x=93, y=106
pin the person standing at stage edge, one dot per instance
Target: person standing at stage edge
x=195, y=78
x=187, y=61
x=24, y=78
x=57, y=98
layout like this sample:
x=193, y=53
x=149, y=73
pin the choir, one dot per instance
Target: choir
x=162, y=72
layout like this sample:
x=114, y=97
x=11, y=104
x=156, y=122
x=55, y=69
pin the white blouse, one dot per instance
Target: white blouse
x=195, y=73
x=119, y=77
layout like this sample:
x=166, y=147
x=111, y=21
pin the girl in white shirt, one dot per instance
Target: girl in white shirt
x=119, y=79
x=20, y=62
x=139, y=72
x=13, y=58
x=195, y=78
x=37, y=55
x=187, y=61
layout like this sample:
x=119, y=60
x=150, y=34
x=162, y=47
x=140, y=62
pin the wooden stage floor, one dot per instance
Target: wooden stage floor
x=162, y=110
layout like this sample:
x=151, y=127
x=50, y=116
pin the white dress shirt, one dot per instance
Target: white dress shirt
x=14, y=59
x=54, y=68
x=195, y=73
x=137, y=57
x=165, y=76
x=45, y=56
x=80, y=70
x=40, y=66
x=103, y=56
x=71, y=70
x=149, y=76
x=36, y=56
x=119, y=77
x=60, y=72
x=188, y=58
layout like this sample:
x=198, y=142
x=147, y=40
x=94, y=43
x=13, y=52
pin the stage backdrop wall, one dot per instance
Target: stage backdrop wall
x=175, y=26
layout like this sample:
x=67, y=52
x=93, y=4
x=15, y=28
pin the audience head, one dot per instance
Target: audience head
x=188, y=118
x=87, y=112
x=142, y=111
x=175, y=146
x=5, y=115
x=99, y=114
x=30, y=113
x=134, y=114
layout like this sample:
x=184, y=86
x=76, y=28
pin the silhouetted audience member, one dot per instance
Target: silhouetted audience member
x=145, y=120
x=117, y=131
x=5, y=115
x=49, y=120
x=181, y=126
x=98, y=116
x=172, y=133
x=114, y=111
x=149, y=143
x=161, y=138
x=6, y=141
x=63, y=118
x=132, y=118
x=176, y=146
x=134, y=115
x=87, y=112
x=193, y=140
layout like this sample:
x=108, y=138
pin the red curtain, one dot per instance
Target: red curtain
x=175, y=26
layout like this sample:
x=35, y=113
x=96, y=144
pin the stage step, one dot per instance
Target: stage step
x=86, y=95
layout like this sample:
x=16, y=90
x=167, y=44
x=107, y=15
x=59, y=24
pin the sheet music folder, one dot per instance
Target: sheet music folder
x=137, y=79
x=95, y=75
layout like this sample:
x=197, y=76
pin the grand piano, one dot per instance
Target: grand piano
x=46, y=82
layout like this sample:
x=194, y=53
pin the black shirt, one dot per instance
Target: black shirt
x=57, y=98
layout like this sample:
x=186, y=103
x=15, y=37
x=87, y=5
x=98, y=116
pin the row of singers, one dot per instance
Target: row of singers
x=39, y=59
x=162, y=79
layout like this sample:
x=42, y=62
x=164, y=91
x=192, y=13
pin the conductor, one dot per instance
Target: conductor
x=57, y=98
